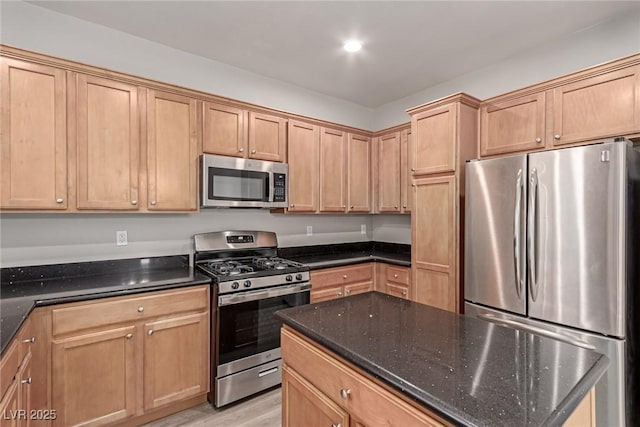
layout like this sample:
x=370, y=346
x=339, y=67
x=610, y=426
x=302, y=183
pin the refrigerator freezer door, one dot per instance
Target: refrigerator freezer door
x=495, y=265
x=610, y=389
x=576, y=240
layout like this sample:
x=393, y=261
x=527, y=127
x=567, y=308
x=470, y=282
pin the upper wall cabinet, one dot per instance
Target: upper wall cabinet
x=231, y=131
x=108, y=144
x=173, y=138
x=434, y=137
x=389, y=147
x=303, y=159
x=33, y=155
x=358, y=173
x=332, y=170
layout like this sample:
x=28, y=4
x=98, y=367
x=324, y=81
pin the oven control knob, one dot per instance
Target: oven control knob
x=298, y=276
x=235, y=285
x=247, y=283
x=289, y=278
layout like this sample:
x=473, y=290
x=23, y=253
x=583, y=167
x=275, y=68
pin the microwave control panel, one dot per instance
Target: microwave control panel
x=280, y=187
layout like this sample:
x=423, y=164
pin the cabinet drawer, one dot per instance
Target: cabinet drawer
x=398, y=275
x=399, y=291
x=368, y=402
x=326, y=294
x=358, y=288
x=342, y=275
x=102, y=313
x=8, y=367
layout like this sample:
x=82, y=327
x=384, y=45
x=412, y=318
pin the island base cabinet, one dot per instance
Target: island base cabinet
x=94, y=377
x=305, y=405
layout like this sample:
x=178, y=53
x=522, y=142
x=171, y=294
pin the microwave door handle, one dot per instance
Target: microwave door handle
x=272, y=187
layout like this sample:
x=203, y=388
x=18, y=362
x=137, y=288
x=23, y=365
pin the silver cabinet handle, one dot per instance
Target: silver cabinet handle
x=395, y=207
x=336, y=425
x=241, y=149
x=404, y=206
x=29, y=340
x=150, y=332
x=128, y=336
x=344, y=276
x=538, y=140
x=531, y=237
x=140, y=309
x=253, y=151
x=292, y=205
x=27, y=381
x=59, y=200
x=517, y=233
x=153, y=203
x=345, y=393
x=348, y=291
x=134, y=202
x=339, y=294
x=413, y=169
x=395, y=276
x=556, y=136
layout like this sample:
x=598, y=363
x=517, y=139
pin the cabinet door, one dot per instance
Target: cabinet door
x=108, y=138
x=10, y=415
x=389, y=173
x=176, y=359
x=359, y=173
x=24, y=386
x=303, y=166
x=305, y=405
x=225, y=130
x=434, y=242
x=516, y=125
x=332, y=170
x=326, y=294
x=94, y=377
x=267, y=137
x=434, y=140
x=33, y=157
x=598, y=107
x=358, y=288
x=405, y=171
x=172, y=151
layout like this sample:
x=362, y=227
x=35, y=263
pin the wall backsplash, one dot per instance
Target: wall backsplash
x=34, y=239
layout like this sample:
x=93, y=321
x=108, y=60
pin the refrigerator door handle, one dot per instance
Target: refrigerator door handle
x=536, y=330
x=531, y=238
x=517, y=233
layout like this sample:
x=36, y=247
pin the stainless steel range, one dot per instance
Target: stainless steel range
x=250, y=284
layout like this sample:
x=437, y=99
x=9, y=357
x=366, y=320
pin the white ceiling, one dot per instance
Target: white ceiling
x=407, y=46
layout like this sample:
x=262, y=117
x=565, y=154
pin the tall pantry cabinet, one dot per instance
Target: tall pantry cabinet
x=444, y=137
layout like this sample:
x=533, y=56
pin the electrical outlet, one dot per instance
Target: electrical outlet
x=363, y=228
x=121, y=238
x=309, y=230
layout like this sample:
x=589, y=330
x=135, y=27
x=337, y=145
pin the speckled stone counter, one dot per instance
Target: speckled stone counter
x=335, y=255
x=24, y=288
x=469, y=371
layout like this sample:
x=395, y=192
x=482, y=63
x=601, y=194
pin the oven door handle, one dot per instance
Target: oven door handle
x=278, y=291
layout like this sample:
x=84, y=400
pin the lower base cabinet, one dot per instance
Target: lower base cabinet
x=331, y=283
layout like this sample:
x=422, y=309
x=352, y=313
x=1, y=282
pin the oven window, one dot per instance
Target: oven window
x=232, y=184
x=249, y=328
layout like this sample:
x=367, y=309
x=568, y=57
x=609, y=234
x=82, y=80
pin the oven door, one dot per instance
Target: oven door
x=248, y=334
x=233, y=182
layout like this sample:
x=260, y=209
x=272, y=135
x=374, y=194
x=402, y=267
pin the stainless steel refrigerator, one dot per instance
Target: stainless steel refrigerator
x=552, y=246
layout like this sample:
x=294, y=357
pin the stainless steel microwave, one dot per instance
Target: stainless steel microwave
x=242, y=183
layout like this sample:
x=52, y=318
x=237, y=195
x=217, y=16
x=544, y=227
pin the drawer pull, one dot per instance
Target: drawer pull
x=253, y=151
x=336, y=425
x=27, y=381
x=339, y=294
x=59, y=200
x=267, y=372
x=556, y=136
x=241, y=149
x=140, y=309
x=29, y=340
x=404, y=293
x=134, y=202
x=345, y=393
x=150, y=332
x=395, y=276
x=344, y=277
x=348, y=291
x=128, y=336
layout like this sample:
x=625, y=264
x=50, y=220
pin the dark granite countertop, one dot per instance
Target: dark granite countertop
x=325, y=256
x=24, y=288
x=469, y=371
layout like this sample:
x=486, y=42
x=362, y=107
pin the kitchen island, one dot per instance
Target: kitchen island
x=373, y=359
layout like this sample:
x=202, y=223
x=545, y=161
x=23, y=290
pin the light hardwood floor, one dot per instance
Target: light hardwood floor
x=264, y=410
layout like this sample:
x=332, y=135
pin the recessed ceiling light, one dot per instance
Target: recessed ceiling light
x=352, y=46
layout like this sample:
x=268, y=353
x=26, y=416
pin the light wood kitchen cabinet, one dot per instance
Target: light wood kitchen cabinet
x=405, y=171
x=145, y=352
x=34, y=136
x=225, y=131
x=397, y=281
x=267, y=137
x=332, y=170
x=108, y=144
x=602, y=106
x=303, y=159
x=336, y=282
x=389, y=147
x=434, y=140
x=514, y=125
x=305, y=405
x=325, y=384
x=10, y=405
x=173, y=139
x=358, y=173
x=236, y=132
x=434, y=227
